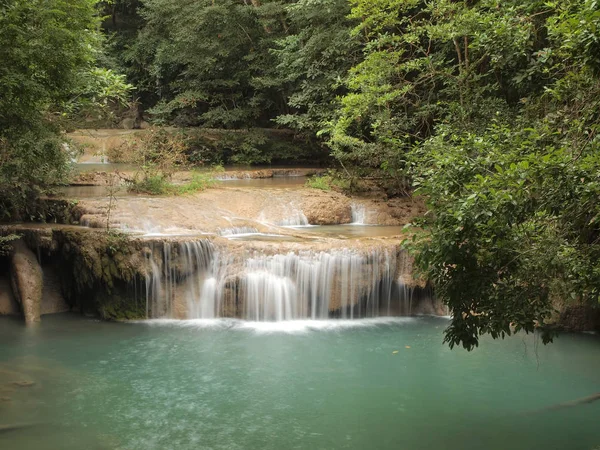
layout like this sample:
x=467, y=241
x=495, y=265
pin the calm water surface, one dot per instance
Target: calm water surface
x=388, y=384
x=102, y=191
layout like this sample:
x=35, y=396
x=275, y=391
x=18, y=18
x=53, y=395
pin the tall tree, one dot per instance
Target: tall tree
x=208, y=62
x=313, y=60
x=491, y=112
x=47, y=49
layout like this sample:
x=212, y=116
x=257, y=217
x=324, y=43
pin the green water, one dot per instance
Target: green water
x=330, y=385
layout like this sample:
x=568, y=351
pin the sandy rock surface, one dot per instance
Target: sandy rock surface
x=265, y=209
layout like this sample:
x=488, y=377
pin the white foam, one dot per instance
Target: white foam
x=283, y=326
x=237, y=231
x=244, y=235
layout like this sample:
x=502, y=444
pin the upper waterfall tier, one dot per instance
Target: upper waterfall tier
x=201, y=279
x=276, y=250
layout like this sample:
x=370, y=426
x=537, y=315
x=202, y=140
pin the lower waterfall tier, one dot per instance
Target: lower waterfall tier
x=199, y=280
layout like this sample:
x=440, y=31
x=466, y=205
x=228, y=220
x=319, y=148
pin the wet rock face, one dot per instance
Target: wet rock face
x=8, y=303
x=53, y=301
x=27, y=281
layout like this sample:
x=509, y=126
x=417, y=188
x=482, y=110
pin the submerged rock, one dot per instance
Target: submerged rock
x=16, y=427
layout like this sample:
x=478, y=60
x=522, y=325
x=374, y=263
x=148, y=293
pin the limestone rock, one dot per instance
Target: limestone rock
x=23, y=383
x=323, y=209
x=27, y=281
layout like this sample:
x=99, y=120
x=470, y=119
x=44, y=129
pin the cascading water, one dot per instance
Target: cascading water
x=293, y=216
x=313, y=285
x=359, y=214
x=296, y=219
x=197, y=280
x=173, y=264
x=154, y=294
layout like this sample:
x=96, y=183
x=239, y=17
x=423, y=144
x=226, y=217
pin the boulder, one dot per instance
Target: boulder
x=327, y=209
x=27, y=281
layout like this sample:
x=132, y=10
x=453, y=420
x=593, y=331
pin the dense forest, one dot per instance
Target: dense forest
x=488, y=110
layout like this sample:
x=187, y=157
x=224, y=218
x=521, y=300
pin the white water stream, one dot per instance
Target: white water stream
x=209, y=283
x=359, y=214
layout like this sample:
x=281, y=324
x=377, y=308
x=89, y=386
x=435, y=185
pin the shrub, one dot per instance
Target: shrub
x=328, y=182
x=199, y=182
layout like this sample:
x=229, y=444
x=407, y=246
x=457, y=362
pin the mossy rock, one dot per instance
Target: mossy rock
x=120, y=306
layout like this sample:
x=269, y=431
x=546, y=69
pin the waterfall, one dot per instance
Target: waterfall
x=293, y=216
x=359, y=214
x=295, y=219
x=198, y=280
x=167, y=267
x=154, y=292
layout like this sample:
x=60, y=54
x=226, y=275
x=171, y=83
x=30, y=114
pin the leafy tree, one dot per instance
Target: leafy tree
x=208, y=62
x=313, y=60
x=513, y=227
x=514, y=222
x=425, y=63
x=47, y=48
x=490, y=110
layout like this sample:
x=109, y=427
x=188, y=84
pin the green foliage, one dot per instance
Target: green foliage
x=207, y=62
x=47, y=48
x=245, y=147
x=158, y=154
x=328, y=182
x=5, y=243
x=427, y=63
x=160, y=185
x=319, y=182
x=198, y=183
x=513, y=224
x=237, y=65
x=96, y=95
x=150, y=184
x=313, y=60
